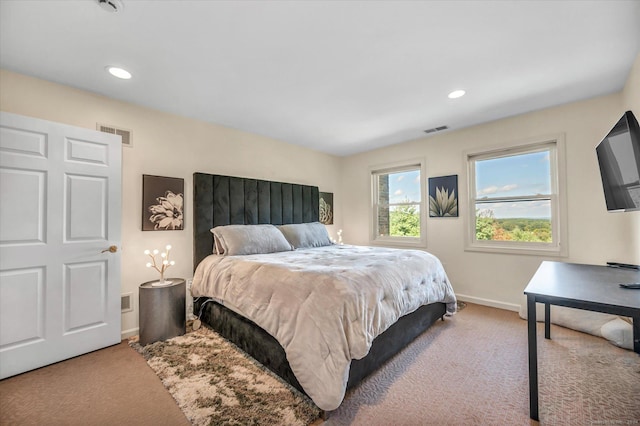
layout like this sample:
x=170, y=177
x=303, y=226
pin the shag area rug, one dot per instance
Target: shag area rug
x=216, y=383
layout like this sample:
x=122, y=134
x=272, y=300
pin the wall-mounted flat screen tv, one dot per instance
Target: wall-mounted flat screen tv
x=619, y=159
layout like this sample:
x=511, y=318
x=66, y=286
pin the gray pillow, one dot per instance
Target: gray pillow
x=249, y=239
x=217, y=245
x=304, y=235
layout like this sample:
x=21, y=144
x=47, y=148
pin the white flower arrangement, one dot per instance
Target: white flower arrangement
x=163, y=266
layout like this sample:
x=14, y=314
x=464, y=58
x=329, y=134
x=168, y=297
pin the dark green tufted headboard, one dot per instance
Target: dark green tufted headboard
x=227, y=200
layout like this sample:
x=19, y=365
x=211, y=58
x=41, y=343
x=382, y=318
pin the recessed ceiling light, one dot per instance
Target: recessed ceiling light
x=119, y=72
x=456, y=94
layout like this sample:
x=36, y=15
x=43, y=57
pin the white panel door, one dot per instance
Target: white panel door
x=60, y=210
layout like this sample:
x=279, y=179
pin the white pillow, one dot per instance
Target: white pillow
x=576, y=319
x=249, y=239
x=304, y=235
x=619, y=333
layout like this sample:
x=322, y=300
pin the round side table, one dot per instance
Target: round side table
x=162, y=310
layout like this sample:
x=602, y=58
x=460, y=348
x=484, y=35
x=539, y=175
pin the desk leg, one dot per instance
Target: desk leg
x=547, y=321
x=533, y=357
x=636, y=334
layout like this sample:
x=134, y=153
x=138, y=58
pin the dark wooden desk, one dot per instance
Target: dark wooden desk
x=589, y=287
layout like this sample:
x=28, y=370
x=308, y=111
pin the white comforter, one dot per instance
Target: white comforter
x=325, y=305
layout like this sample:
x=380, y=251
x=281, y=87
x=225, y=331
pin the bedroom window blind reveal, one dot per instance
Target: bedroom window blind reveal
x=398, y=213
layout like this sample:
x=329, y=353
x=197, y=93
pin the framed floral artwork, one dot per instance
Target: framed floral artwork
x=162, y=203
x=443, y=196
x=326, y=208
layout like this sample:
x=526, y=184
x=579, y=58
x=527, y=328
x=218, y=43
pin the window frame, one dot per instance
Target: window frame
x=397, y=167
x=555, y=144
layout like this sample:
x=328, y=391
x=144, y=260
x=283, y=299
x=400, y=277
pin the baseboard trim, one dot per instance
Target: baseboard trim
x=125, y=334
x=488, y=302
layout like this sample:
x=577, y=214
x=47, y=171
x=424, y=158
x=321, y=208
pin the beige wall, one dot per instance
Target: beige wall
x=167, y=145
x=631, y=92
x=595, y=236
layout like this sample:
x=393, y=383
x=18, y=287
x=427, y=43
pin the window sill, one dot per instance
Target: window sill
x=528, y=251
x=393, y=242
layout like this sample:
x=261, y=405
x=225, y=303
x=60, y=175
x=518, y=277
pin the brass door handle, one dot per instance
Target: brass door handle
x=111, y=249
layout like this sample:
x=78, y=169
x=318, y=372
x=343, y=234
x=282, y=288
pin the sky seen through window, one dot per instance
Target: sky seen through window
x=516, y=175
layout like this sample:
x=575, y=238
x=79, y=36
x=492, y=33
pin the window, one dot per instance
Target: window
x=397, y=208
x=514, y=199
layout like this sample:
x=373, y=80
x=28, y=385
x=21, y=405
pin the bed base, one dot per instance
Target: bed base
x=265, y=348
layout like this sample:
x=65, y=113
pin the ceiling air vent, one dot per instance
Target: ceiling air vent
x=436, y=129
x=125, y=134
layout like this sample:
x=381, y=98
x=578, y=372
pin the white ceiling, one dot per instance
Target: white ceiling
x=336, y=76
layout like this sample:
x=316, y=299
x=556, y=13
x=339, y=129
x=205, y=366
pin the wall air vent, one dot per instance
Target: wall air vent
x=436, y=129
x=125, y=302
x=125, y=134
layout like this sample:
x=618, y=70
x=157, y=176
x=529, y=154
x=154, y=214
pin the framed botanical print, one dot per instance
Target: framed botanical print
x=443, y=196
x=162, y=203
x=326, y=208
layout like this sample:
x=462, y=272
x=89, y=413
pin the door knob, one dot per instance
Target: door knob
x=111, y=249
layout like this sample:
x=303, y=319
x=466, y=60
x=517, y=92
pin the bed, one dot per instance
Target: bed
x=220, y=201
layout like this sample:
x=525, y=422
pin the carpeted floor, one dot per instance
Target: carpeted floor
x=468, y=370
x=112, y=386
x=473, y=370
